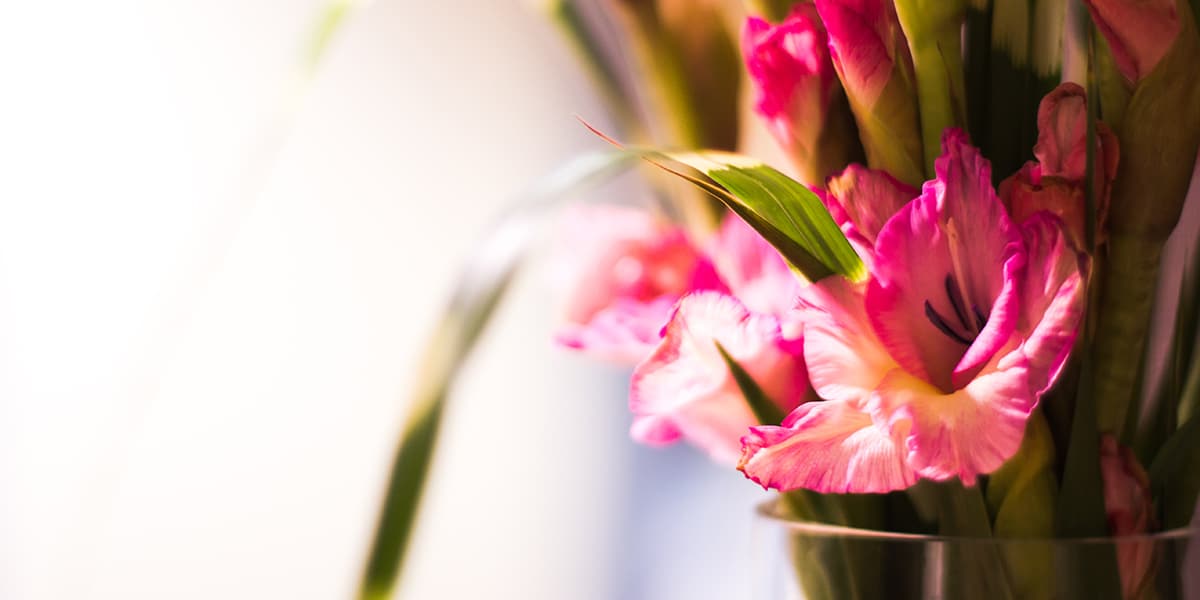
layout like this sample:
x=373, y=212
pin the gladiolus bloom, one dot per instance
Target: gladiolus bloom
x=931, y=368
x=685, y=388
x=1130, y=511
x=862, y=200
x=798, y=93
x=1055, y=182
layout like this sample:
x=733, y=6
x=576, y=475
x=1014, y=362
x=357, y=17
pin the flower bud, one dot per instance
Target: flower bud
x=798, y=93
x=1139, y=32
x=1056, y=182
x=872, y=59
x=1129, y=508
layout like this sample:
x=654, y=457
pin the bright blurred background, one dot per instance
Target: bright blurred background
x=216, y=276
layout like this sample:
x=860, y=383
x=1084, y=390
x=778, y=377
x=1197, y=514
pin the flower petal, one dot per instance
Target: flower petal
x=945, y=263
x=963, y=434
x=687, y=382
x=827, y=447
x=753, y=270
x=1139, y=32
x=625, y=332
x=1054, y=295
x=845, y=359
x=867, y=198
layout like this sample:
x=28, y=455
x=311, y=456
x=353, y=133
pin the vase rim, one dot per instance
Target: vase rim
x=768, y=510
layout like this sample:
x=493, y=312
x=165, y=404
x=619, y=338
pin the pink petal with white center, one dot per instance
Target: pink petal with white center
x=686, y=381
x=1062, y=133
x=1054, y=296
x=867, y=198
x=625, y=332
x=947, y=266
x=963, y=434
x=753, y=270
x=846, y=361
x=827, y=447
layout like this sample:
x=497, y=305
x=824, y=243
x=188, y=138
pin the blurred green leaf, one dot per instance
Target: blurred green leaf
x=478, y=289
x=1175, y=475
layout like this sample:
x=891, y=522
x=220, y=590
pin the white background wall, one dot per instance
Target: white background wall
x=206, y=330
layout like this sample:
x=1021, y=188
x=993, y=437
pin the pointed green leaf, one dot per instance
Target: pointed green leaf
x=1175, y=475
x=767, y=412
x=784, y=211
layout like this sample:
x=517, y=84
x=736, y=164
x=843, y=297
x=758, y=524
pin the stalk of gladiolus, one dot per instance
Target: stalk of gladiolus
x=1159, y=136
x=872, y=59
x=1130, y=511
x=798, y=94
x=934, y=32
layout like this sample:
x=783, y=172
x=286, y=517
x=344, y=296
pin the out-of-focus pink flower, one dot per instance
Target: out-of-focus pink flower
x=1055, y=182
x=872, y=59
x=932, y=368
x=1139, y=32
x=685, y=388
x=798, y=93
x=623, y=270
x=861, y=200
x=1130, y=510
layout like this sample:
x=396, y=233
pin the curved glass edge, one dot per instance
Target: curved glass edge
x=769, y=511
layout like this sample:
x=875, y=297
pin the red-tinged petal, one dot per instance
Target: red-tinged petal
x=687, y=382
x=1054, y=295
x=1062, y=133
x=845, y=358
x=828, y=447
x=964, y=434
x=1139, y=32
x=867, y=198
x=654, y=430
x=753, y=270
x=947, y=263
x=625, y=332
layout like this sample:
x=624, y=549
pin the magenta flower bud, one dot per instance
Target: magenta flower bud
x=1139, y=32
x=872, y=59
x=1129, y=507
x=797, y=91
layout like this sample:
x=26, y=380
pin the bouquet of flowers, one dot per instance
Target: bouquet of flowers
x=938, y=323
x=934, y=317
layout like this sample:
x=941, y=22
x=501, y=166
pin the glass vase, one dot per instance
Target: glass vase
x=800, y=560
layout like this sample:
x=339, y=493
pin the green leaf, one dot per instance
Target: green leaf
x=784, y=211
x=767, y=412
x=1175, y=475
x=479, y=287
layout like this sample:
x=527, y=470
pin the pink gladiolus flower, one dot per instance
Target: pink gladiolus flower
x=932, y=367
x=796, y=85
x=1056, y=182
x=624, y=271
x=1130, y=510
x=685, y=389
x=1139, y=32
